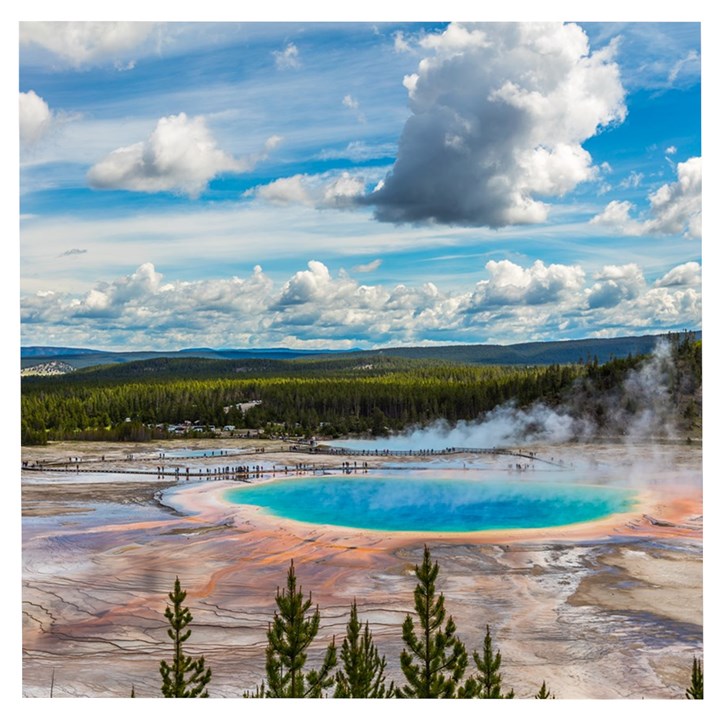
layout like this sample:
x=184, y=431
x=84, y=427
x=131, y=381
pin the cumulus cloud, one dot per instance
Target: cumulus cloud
x=675, y=208
x=689, y=274
x=314, y=302
x=86, y=42
x=180, y=155
x=499, y=115
x=141, y=303
x=511, y=284
x=306, y=285
x=343, y=190
x=319, y=191
x=617, y=216
x=35, y=118
x=315, y=307
x=108, y=299
x=614, y=284
x=285, y=191
x=288, y=57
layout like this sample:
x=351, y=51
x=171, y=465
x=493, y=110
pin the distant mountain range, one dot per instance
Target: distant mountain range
x=535, y=353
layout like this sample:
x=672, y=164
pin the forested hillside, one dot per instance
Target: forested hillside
x=332, y=396
x=531, y=353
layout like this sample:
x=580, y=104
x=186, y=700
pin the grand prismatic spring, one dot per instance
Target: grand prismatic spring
x=413, y=502
x=587, y=568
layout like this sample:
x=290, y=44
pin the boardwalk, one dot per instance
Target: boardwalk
x=76, y=465
x=357, y=452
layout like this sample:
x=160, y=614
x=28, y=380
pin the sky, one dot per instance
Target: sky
x=357, y=184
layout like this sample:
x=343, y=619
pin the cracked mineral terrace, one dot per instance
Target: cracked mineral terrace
x=607, y=609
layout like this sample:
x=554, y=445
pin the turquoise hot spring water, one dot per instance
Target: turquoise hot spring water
x=418, y=502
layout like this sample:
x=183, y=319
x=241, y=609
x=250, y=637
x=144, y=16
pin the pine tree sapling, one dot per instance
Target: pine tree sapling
x=184, y=677
x=362, y=674
x=434, y=660
x=543, y=693
x=695, y=691
x=289, y=636
x=488, y=681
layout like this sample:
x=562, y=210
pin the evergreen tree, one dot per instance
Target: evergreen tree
x=289, y=637
x=488, y=682
x=434, y=662
x=543, y=693
x=695, y=691
x=185, y=677
x=363, y=670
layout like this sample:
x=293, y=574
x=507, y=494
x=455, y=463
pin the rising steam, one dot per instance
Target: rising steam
x=640, y=408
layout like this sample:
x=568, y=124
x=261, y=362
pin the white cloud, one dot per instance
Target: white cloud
x=314, y=303
x=614, y=284
x=511, y=284
x=670, y=150
x=86, y=42
x=285, y=191
x=400, y=44
x=359, y=151
x=686, y=66
x=316, y=308
x=350, y=102
x=35, y=118
x=633, y=180
x=306, y=285
x=288, y=58
x=688, y=274
x=617, y=216
x=675, y=208
x=498, y=122
x=320, y=191
x=124, y=67
x=180, y=155
x=656, y=308
x=368, y=267
x=353, y=104
x=343, y=191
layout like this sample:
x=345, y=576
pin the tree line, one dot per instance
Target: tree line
x=54, y=409
x=434, y=661
x=138, y=401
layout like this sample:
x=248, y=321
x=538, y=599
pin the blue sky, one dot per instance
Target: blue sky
x=339, y=185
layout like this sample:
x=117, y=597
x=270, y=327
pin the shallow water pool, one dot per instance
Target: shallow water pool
x=417, y=503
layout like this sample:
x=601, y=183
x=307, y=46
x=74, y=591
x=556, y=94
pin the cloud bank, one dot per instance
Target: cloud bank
x=499, y=115
x=314, y=308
